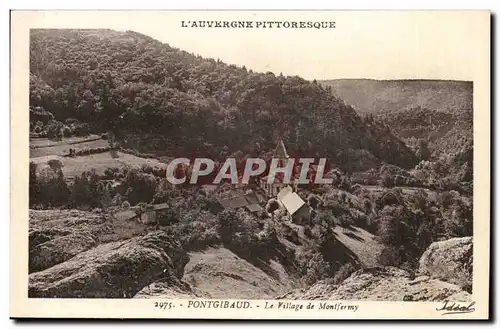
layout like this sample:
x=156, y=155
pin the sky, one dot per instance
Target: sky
x=366, y=44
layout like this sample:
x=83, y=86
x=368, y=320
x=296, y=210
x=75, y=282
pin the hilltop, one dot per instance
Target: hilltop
x=380, y=96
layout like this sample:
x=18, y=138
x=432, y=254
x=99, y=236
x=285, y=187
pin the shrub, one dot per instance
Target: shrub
x=272, y=205
x=387, y=180
x=317, y=269
x=343, y=273
x=313, y=201
x=345, y=220
x=52, y=187
x=53, y=129
x=196, y=230
x=390, y=256
x=389, y=229
x=34, y=189
x=66, y=131
x=81, y=129
x=109, y=173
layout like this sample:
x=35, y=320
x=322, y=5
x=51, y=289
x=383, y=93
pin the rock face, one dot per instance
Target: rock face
x=449, y=260
x=220, y=273
x=51, y=247
x=383, y=283
x=56, y=236
x=112, y=270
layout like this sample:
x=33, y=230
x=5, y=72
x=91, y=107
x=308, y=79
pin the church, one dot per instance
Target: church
x=272, y=189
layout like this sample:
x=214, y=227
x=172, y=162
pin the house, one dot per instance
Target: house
x=234, y=203
x=254, y=197
x=255, y=209
x=250, y=202
x=297, y=208
x=153, y=213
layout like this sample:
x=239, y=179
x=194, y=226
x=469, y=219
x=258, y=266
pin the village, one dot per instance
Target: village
x=251, y=197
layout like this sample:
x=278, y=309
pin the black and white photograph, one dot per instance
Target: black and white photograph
x=225, y=176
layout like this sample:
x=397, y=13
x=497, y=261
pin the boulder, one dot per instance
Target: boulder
x=112, y=270
x=382, y=284
x=48, y=248
x=449, y=260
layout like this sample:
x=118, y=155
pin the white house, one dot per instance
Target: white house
x=297, y=208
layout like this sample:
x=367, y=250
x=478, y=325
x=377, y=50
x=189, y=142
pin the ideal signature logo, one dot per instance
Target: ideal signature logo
x=456, y=308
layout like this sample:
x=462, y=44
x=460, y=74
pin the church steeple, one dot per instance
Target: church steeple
x=280, y=151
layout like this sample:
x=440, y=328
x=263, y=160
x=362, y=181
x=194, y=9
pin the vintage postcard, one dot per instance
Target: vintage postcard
x=250, y=164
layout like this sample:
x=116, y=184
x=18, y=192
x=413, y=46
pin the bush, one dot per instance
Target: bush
x=51, y=187
x=109, y=173
x=272, y=205
x=390, y=256
x=312, y=265
x=313, y=201
x=389, y=229
x=54, y=129
x=387, y=180
x=343, y=273
x=66, y=131
x=197, y=230
x=345, y=220
x=81, y=129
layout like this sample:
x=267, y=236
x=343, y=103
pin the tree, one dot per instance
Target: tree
x=272, y=205
x=387, y=180
x=423, y=152
x=34, y=189
x=313, y=201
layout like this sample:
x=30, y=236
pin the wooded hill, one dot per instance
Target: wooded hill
x=163, y=100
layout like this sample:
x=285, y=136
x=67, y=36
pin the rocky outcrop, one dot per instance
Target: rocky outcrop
x=51, y=247
x=112, y=270
x=383, y=284
x=449, y=260
x=170, y=288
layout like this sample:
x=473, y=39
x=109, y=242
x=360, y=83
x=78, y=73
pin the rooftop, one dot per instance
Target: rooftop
x=254, y=207
x=125, y=215
x=234, y=202
x=292, y=202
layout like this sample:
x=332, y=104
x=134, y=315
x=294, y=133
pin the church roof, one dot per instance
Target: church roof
x=280, y=151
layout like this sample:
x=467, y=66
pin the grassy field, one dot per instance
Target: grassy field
x=77, y=165
x=45, y=142
x=63, y=148
x=43, y=150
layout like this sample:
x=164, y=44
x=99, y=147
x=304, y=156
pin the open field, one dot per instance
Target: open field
x=45, y=142
x=43, y=150
x=63, y=148
x=77, y=165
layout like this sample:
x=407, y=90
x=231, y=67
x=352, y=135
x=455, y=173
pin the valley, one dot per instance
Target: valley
x=110, y=110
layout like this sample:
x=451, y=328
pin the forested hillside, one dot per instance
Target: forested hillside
x=162, y=100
